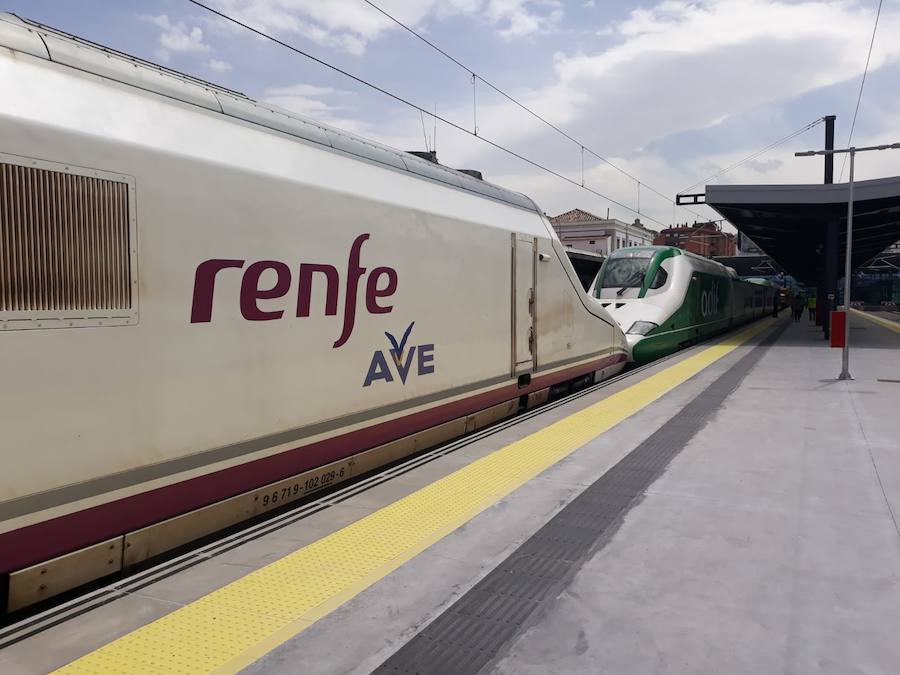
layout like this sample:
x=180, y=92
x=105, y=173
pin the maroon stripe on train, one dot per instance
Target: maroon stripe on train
x=48, y=539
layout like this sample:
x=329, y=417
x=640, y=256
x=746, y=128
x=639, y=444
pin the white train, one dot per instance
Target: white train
x=209, y=308
x=665, y=298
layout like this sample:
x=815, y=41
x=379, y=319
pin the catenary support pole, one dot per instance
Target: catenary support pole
x=832, y=257
x=845, y=355
x=845, y=366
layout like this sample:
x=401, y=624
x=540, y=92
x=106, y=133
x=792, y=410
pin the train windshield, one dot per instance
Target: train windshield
x=625, y=269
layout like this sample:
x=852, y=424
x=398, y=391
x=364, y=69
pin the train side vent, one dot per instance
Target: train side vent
x=67, y=246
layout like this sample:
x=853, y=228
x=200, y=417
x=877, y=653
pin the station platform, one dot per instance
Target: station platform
x=892, y=317
x=732, y=508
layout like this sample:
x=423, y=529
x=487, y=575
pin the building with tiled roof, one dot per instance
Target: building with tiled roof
x=580, y=229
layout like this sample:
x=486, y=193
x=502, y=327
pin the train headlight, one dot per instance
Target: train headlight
x=641, y=327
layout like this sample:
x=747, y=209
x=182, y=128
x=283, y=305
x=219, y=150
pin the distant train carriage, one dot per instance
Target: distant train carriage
x=763, y=300
x=665, y=298
x=783, y=294
x=214, y=308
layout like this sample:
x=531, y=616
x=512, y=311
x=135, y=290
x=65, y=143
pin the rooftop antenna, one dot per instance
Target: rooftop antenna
x=434, y=135
x=424, y=134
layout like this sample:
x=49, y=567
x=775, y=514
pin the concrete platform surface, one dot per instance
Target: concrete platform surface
x=770, y=545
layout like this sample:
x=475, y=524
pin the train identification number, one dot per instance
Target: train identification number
x=302, y=485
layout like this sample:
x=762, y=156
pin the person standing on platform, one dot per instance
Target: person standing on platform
x=797, y=306
x=811, y=307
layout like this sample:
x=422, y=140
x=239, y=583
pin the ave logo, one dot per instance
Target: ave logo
x=400, y=359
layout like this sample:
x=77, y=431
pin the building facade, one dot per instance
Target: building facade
x=706, y=239
x=582, y=230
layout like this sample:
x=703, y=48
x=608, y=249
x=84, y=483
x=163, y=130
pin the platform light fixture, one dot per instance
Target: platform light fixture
x=845, y=355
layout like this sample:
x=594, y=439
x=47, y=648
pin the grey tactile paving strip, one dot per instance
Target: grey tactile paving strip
x=478, y=628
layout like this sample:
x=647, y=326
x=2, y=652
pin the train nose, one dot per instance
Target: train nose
x=632, y=341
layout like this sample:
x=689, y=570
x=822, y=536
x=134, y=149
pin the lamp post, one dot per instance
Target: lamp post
x=845, y=354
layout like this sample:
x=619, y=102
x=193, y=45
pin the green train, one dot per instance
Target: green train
x=665, y=299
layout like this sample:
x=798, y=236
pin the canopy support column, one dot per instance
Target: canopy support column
x=828, y=295
x=829, y=290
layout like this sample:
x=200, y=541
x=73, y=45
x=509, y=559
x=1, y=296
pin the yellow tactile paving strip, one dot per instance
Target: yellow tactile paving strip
x=887, y=323
x=233, y=626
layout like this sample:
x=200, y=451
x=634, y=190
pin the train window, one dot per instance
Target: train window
x=660, y=279
x=625, y=268
x=67, y=246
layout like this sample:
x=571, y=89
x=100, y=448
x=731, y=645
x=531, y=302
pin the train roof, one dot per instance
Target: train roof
x=650, y=251
x=30, y=37
x=643, y=251
x=759, y=281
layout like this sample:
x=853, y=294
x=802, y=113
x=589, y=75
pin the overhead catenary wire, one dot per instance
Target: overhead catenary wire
x=861, y=85
x=756, y=154
x=409, y=103
x=512, y=99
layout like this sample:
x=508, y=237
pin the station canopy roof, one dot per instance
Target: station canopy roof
x=751, y=265
x=788, y=222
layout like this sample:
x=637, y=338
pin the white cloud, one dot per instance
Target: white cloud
x=518, y=18
x=764, y=166
x=350, y=25
x=681, y=66
x=177, y=37
x=726, y=55
x=673, y=67
x=218, y=66
x=304, y=90
x=326, y=105
x=305, y=99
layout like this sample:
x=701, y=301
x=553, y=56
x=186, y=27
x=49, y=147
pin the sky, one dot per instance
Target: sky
x=670, y=92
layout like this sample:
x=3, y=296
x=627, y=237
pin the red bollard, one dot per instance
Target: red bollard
x=838, y=328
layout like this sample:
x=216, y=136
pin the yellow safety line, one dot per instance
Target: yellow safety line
x=233, y=626
x=887, y=323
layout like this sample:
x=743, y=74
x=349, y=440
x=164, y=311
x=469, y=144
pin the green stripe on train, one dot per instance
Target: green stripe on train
x=706, y=311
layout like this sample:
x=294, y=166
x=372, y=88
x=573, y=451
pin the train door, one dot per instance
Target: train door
x=524, y=335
